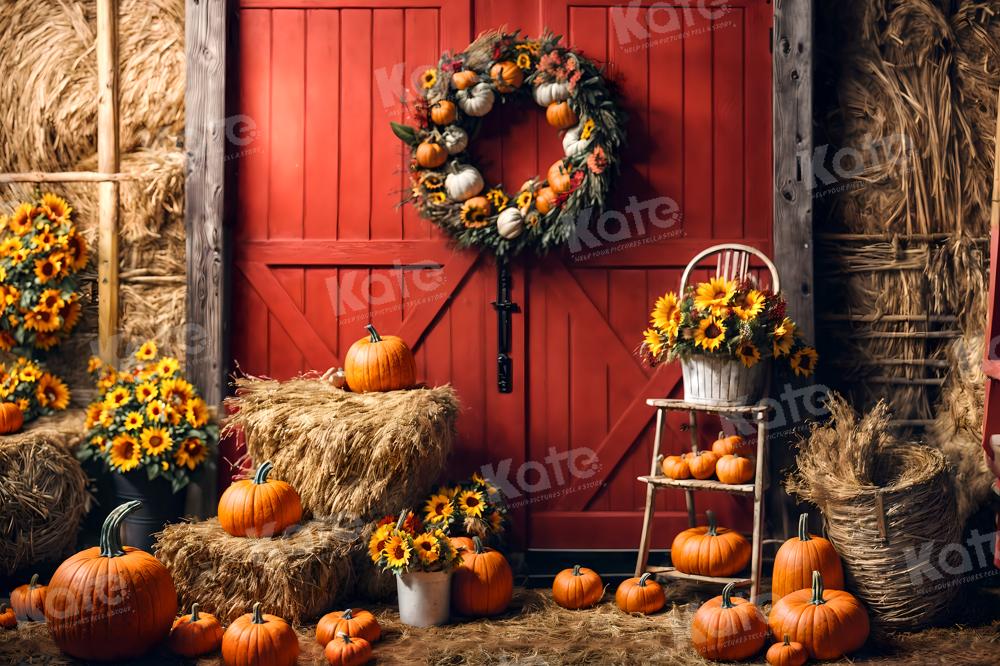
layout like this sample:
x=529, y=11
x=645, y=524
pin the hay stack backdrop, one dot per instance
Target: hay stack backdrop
x=902, y=247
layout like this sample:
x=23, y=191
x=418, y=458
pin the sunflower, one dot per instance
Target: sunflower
x=117, y=397
x=94, y=364
x=196, y=413
x=156, y=441
x=134, y=420
x=437, y=198
x=192, y=452
x=803, y=361
x=78, y=252
x=23, y=404
x=47, y=268
x=473, y=216
x=748, y=353
x=376, y=544
x=665, y=314
x=397, y=552
x=9, y=246
x=156, y=411
x=42, y=320
x=176, y=391
x=533, y=218
x=174, y=415
x=524, y=198
x=51, y=300
x=427, y=547
x=146, y=352
x=714, y=295
x=749, y=305
x=653, y=341
x=46, y=340
x=497, y=197
x=55, y=207
x=710, y=333
x=588, y=129
x=428, y=78
x=70, y=316
x=11, y=294
x=125, y=453
x=432, y=181
x=20, y=256
x=52, y=392
x=524, y=61
x=43, y=240
x=784, y=336
x=145, y=392
x=438, y=509
x=21, y=221
x=471, y=503
x=167, y=366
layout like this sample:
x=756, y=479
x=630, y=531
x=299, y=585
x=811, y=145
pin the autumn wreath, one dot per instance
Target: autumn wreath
x=447, y=187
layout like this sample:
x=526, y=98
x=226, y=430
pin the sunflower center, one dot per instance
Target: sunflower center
x=713, y=331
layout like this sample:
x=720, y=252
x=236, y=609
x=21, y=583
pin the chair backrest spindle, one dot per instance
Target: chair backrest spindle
x=732, y=263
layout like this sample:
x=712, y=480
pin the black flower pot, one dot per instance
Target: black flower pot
x=160, y=506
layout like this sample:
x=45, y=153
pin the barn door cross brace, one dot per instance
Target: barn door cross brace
x=504, y=307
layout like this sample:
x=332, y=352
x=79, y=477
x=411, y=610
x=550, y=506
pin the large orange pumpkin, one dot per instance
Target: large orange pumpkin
x=483, y=583
x=734, y=469
x=506, y=76
x=354, y=623
x=110, y=602
x=702, y=463
x=443, y=112
x=258, y=639
x=559, y=178
x=259, y=507
x=431, y=155
x=28, y=601
x=828, y=623
x=728, y=628
x=377, y=363
x=640, y=595
x=675, y=467
x=577, y=588
x=560, y=115
x=787, y=653
x=799, y=557
x=195, y=634
x=545, y=200
x=345, y=650
x=8, y=618
x=464, y=79
x=710, y=551
x=11, y=418
x=732, y=445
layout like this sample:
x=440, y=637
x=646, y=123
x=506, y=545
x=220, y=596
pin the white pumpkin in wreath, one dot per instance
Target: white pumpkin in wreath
x=572, y=143
x=454, y=139
x=510, y=223
x=550, y=93
x=464, y=182
x=477, y=100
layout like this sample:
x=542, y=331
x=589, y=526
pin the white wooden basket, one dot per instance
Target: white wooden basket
x=722, y=382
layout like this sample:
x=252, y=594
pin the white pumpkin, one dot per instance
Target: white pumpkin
x=550, y=93
x=454, y=139
x=510, y=223
x=477, y=100
x=463, y=183
x=572, y=143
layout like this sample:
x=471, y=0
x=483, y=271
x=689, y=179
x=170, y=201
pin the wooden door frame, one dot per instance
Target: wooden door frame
x=209, y=35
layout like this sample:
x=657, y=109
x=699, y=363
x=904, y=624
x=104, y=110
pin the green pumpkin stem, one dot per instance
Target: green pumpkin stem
x=344, y=637
x=576, y=569
x=713, y=527
x=257, y=617
x=643, y=578
x=804, y=527
x=788, y=640
x=194, y=612
x=478, y=544
x=727, y=595
x=373, y=335
x=262, y=472
x=111, y=538
x=817, y=588
x=33, y=583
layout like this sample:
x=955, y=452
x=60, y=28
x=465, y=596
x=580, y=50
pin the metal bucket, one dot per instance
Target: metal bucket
x=160, y=505
x=722, y=382
x=424, y=598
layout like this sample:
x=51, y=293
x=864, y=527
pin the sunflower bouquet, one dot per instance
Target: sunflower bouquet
x=35, y=391
x=148, y=417
x=727, y=318
x=405, y=545
x=41, y=252
x=473, y=508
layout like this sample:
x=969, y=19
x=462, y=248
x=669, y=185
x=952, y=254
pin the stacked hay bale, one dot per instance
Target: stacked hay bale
x=48, y=118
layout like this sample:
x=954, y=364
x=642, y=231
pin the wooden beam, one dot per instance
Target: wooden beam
x=108, y=162
x=64, y=177
x=205, y=143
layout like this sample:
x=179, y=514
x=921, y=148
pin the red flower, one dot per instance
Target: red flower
x=575, y=180
x=597, y=161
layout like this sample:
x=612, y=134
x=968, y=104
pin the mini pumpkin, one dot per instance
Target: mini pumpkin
x=572, y=143
x=787, y=653
x=545, y=200
x=477, y=100
x=710, y=551
x=577, y=588
x=731, y=445
x=507, y=76
x=431, y=155
x=376, y=363
x=28, y=601
x=561, y=115
x=640, y=595
x=464, y=182
x=675, y=467
x=354, y=623
x=11, y=418
x=550, y=93
x=464, y=79
x=259, y=507
x=8, y=618
x=510, y=223
x=443, y=112
x=195, y=634
x=734, y=469
x=260, y=639
x=462, y=542
x=483, y=583
x=559, y=177
x=828, y=623
x=701, y=463
x=346, y=650
x=728, y=628
x=799, y=557
x=455, y=139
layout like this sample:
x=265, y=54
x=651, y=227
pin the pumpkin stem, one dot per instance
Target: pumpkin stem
x=478, y=543
x=576, y=569
x=257, y=617
x=817, y=588
x=33, y=583
x=344, y=637
x=111, y=537
x=727, y=595
x=261, y=476
x=804, y=527
x=194, y=612
x=712, y=525
x=788, y=640
x=643, y=578
x=721, y=434
x=373, y=335
x=346, y=615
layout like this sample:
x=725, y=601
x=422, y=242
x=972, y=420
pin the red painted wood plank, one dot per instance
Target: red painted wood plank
x=698, y=139
x=727, y=119
x=387, y=151
x=665, y=134
x=421, y=49
x=327, y=252
x=759, y=188
x=414, y=327
x=284, y=358
x=255, y=106
x=567, y=530
x=322, y=124
x=653, y=255
x=356, y=124
x=287, y=126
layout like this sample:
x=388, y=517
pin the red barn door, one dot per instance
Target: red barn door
x=321, y=247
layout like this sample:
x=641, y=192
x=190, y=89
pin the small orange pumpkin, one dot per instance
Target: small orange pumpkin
x=640, y=595
x=8, y=619
x=28, y=601
x=710, y=551
x=734, y=469
x=702, y=464
x=506, y=76
x=259, y=507
x=675, y=467
x=728, y=628
x=561, y=115
x=431, y=155
x=464, y=79
x=559, y=177
x=799, y=557
x=545, y=200
x=259, y=638
x=11, y=418
x=462, y=542
x=731, y=445
x=354, y=623
x=828, y=623
x=443, y=112
x=376, y=363
x=195, y=634
x=787, y=653
x=346, y=650
x=483, y=583
x=577, y=588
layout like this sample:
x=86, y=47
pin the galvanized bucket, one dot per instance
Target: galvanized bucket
x=721, y=381
x=424, y=598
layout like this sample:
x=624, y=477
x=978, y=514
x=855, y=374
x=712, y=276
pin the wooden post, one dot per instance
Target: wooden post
x=108, y=159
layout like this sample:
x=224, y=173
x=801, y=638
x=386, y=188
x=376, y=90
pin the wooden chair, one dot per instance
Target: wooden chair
x=732, y=263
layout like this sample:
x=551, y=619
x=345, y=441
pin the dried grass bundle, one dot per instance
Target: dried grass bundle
x=298, y=576
x=351, y=455
x=43, y=497
x=883, y=501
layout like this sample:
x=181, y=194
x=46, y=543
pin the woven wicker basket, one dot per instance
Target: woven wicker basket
x=719, y=381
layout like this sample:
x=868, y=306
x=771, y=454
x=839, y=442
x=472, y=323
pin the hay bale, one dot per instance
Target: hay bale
x=298, y=576
x=355, y=456
x=43, y=497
